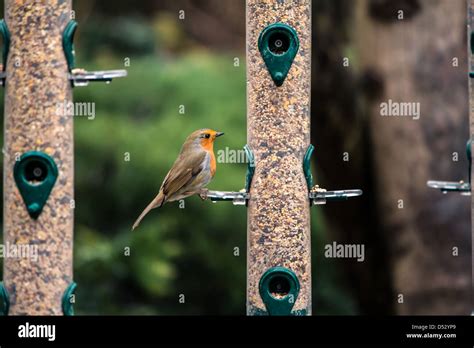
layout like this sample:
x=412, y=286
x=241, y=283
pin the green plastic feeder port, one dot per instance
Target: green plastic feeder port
x=67, y=300
x=35, y=175
x=6, y=42
x=278, y=44
x=4, y=300
x=68, y=43
x=471, y=42
x=250, y=167
x=279, y=288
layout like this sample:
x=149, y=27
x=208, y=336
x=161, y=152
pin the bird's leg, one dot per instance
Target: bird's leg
x=203, y=193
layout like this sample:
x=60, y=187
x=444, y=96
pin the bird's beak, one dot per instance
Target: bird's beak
x=218, y=134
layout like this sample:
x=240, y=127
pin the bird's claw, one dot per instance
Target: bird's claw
x=78, y=71
x=203, y=194
x=317, y=189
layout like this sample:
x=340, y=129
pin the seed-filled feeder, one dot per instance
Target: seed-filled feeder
x=38, y=74
x=279, y=185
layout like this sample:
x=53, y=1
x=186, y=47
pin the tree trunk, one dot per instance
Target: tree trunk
x=414, y=60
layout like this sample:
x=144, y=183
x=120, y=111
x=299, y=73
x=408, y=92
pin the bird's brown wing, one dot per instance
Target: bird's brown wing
x=184, y=170
x=181, y=174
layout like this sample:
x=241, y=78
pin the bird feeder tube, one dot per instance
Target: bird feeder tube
x=38, y=75
x=278, y=132
x=38, y=141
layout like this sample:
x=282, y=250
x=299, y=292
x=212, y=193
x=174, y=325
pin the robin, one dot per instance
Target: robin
x=191, y=172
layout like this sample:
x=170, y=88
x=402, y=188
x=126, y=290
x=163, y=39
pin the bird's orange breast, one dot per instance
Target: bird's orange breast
x=213, y=163
x=208, y=145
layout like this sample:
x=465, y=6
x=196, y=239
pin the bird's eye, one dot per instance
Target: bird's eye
x=207, y=136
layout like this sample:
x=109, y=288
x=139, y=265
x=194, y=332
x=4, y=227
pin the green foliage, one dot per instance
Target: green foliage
x=175, y=251
x=120, y=35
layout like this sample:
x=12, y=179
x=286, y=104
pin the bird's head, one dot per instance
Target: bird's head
x=204, y=137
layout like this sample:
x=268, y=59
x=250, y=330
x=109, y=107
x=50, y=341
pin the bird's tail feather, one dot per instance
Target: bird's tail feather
x=155, y=203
